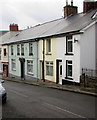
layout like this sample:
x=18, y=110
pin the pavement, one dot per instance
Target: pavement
x=71, y=88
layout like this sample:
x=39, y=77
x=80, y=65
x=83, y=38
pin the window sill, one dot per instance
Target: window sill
x=14, y=70
x=30, y=74
x=49, y=75
x=48, y=54
x=69, y=54
x=68, y=78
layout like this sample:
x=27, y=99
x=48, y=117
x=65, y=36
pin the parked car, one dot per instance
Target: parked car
x=3, y=94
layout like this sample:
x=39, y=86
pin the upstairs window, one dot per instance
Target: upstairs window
x=11, y=49
x=69, y=45
x=18, y=49
x=4, y=51
x=22, y=49
x=48, y=45
x=31, y=48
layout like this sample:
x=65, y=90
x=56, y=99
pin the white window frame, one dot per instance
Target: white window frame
x=11, y=49
x=18, y=49
x=49, y=64
x=13, y=64
x=30, y=48
x=30, y=63
x=69, y=64
x=48, y=45
x=69, y=39
x=70, y=52
x=22, y=49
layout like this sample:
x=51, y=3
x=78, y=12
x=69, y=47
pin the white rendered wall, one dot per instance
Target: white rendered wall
x=61, y=51
x=87, y=42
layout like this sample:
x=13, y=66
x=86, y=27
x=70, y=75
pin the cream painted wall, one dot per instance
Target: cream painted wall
x=4, y=58
x=52, y=58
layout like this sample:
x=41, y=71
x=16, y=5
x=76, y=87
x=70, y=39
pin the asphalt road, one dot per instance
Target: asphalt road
x=27, y=101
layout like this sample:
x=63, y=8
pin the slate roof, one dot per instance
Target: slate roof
x=57, y=27
x=3, y=32
x=7, y=36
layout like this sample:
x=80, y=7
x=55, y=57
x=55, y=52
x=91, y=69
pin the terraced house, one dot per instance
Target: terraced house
x=13, y=29
x=56, y=51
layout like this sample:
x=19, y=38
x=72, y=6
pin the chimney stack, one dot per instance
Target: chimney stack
x=89, y=5
x=13, y=27
x=70, y=9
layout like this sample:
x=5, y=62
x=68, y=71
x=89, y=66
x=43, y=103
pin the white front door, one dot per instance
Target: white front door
x=60, y=72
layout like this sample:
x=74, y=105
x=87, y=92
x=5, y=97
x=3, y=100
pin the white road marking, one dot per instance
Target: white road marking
x=65, y=110
x=20, y=94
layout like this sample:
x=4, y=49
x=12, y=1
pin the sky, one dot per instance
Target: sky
x=32, y=12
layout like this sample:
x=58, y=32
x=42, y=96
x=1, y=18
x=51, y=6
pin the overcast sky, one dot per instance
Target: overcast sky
x=32, y=12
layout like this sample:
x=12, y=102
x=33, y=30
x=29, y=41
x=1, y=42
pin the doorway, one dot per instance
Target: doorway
x=22, y=69
x=58, y=71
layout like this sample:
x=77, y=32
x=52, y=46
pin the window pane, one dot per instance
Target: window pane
x=69, y=62
x=49, y=68
x=11, y=49
x=70, y=70
x=30, y=67
x=18, y=50
x=49, y=45
x=22, y=49
x=30, y=48
x=69, y=46
x=13, y=64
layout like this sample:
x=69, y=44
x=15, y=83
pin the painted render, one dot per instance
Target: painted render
x=61, y=55
x=88, y=48
x=17, y=73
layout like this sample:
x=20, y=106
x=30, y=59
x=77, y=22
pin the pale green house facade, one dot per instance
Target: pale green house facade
x=23, y=60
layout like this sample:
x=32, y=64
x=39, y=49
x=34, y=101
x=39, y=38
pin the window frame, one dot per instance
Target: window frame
x=13, y=64
x=48, y=46
x=68, y=64
x=69, y=39
x=22, y=49
x=49, y=64
x=18, y=49
x=4, y=50
x=30, y=48
x=31, y=64
x=11, y=49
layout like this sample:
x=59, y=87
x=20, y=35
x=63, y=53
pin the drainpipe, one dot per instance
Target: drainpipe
x=37, y=59
x=43, y=63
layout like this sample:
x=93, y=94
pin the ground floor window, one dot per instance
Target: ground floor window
x=68, y=68
x=13, y=63
x=29, y=66
x=49, y=68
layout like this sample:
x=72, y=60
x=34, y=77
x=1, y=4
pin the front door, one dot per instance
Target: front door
x=22, y=69
x=59, y=71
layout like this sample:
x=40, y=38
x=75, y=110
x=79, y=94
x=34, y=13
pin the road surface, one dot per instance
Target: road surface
x=28, y=101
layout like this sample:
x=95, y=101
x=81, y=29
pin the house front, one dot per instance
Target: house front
x=23, y=60
x=13, y=30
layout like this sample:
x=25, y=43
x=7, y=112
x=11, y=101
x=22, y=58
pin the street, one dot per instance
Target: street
x=28, y=101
